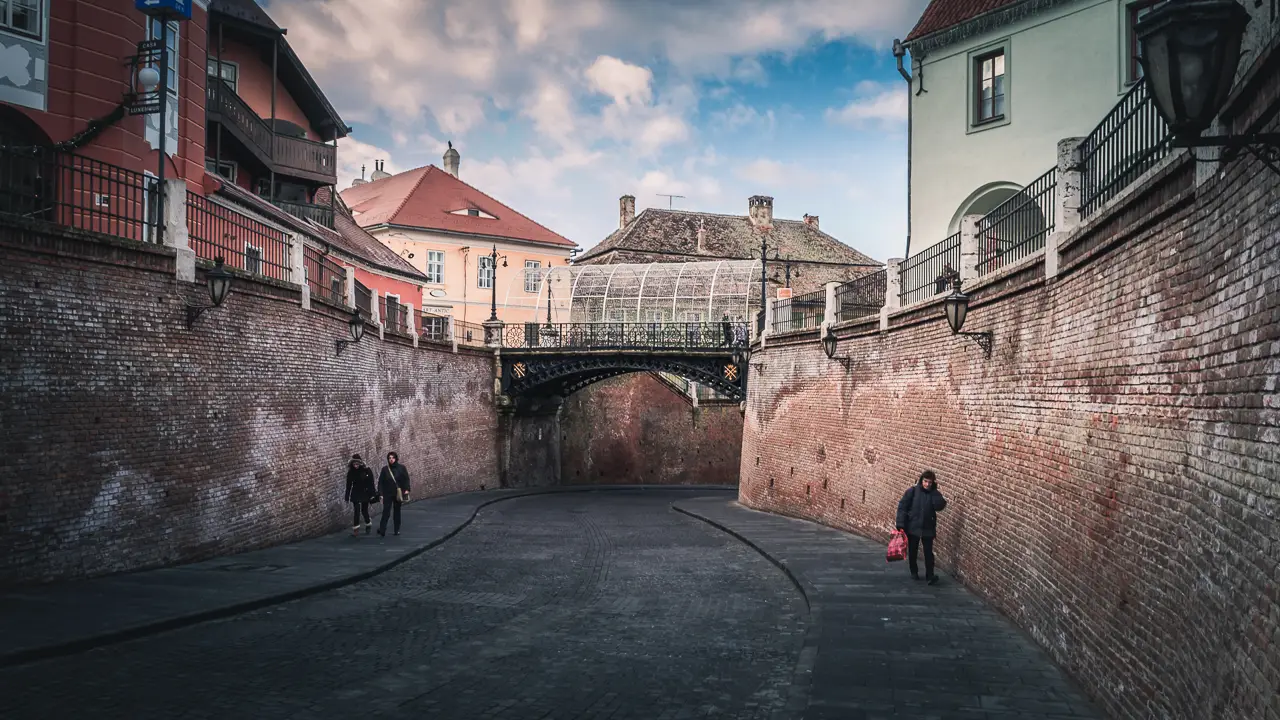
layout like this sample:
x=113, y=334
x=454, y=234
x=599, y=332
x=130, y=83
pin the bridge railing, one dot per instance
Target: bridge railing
x=722, y=335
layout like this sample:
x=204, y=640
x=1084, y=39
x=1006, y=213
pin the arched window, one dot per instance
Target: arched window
x=26, y=173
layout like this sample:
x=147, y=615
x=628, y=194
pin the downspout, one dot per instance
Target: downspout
x=899, y=52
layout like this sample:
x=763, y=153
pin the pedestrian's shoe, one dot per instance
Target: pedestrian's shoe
x=933, y=579
x=397, y=532
x=355, y=531
x=382, y=533
x=368, y=528
x=915, y=575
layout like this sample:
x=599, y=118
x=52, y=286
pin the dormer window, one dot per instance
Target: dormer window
x=473, y=212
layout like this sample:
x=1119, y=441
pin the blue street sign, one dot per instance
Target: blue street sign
x=171, y=9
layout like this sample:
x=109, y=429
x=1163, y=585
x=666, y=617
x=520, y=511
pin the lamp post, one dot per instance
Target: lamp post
x=218, y=281
x=956, y=307
x=829, y=342
x=1189, y=50
x=493, y=281
x=355, y=326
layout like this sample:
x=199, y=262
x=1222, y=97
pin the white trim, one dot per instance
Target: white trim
x=43, y=39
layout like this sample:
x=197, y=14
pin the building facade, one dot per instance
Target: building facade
x=995, y=84
x=448, y=230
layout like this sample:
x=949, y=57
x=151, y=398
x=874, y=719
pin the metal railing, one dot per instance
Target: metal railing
x=364, y=300
x=1017, y=228
x=286, y=152
x=723, y=335
x=799, y=312
x=861, y=296
x=468, y=333
x=325, y=277
x=319, y=214
x=394, y=316
x=78, y=192
x=930, y=272
x=434, y=327
x=1129, y=141
x=241, y=241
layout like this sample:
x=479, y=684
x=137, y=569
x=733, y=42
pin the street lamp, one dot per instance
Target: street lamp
x=493, y=281
x=355, y=326
x=829, y=342
x=956, y=306
x=218, y=281
x=1189, y=50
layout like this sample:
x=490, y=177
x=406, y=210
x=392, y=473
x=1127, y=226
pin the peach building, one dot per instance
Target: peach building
x=448, y=229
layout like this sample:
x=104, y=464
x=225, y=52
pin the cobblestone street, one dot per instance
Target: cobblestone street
x=599, y=605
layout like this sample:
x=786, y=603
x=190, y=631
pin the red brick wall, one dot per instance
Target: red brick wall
x=635, y=429
x=1113, y=469
x=130, y=441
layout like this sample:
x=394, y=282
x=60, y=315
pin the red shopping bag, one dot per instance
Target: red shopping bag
x=897, y=547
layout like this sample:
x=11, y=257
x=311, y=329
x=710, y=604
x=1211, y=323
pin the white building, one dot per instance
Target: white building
x=995, y=84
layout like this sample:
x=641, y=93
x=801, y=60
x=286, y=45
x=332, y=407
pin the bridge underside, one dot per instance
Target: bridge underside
x=562, y=374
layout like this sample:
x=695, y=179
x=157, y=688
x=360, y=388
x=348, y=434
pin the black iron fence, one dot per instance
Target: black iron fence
x=725, y=335
x=468, y=333
x=364, y=299
x=395, y=317
x=435, y=327
x=1129, y=141
x=861, y=296
x=241, y=241
x=800, y=312
x=326, y=278
x=930, y=272
x=1018, y=227
x=70, y=190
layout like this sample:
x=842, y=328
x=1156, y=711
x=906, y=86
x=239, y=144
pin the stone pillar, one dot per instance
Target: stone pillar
x=767, y=330
x=350, y=286
x=374, y=314
x=831, y=315
x=892, y=291
x=176, y=235
x=493, y=333
x=1066, y=211
x=453, y=334
x=298, y=268
x=413, y=323
x=970, y=247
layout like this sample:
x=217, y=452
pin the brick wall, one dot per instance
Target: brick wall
x=1113, y=469
x=635, y=429
x=130, y=441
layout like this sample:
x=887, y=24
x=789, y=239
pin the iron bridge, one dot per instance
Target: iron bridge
x=547, y=359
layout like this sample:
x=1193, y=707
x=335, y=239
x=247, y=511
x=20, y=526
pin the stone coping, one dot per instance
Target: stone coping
x=42, y=621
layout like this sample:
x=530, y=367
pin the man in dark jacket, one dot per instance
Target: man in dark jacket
x=360, y=492
x=918, y=516
x=394, y=477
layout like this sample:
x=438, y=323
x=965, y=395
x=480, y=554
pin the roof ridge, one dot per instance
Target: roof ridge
x=626, y=232
x=517, y=212
x=412, y=190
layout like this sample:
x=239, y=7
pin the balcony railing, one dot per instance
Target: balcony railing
x=241, y=241
x=326, y=278
x=364, y=299
x=1129, y=141
x=861, y=296
x=395, y=317
x=1018, y=227
x=800, y=312
x=931, y=272
x=319, y=214
x=290, y=155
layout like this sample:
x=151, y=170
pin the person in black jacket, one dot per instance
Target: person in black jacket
x=393, y=477
x=360, y=492
x=918, y=516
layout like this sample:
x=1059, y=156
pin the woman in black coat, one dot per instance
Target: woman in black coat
x=918, y=516
x=360, y=492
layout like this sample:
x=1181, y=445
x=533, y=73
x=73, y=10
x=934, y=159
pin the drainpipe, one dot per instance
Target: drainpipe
x=899, y=51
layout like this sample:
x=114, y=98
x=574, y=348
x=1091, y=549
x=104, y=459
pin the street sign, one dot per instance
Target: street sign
x=784, y=293
x=171, y=9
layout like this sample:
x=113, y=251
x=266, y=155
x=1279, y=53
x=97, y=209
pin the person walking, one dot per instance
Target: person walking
x=918, y=517
x=360, y=492
x=393, y=483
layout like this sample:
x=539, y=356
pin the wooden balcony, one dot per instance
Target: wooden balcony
x=319, y=214
x=291, y=156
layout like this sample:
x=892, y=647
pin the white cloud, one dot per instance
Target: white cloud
x=873, y=102
x=355, y=157
x=739, y=116
x=627, y=84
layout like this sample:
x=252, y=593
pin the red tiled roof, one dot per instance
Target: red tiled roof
x=426, y=198
x=944, y=14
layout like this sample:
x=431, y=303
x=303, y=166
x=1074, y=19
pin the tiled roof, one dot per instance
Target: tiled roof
x=944, y=14
x=675, y=232
x=427, y=197
x=347, y=236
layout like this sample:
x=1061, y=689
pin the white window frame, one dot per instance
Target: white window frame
x=233, y=84
x=535, y=276
x=435, y=258
x=973, y=82
x=175, y=54
x=41, y=8
x=228, y=164
x=486, y=273
x=249, y=254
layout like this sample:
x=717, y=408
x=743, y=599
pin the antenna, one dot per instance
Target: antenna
x=670, y=199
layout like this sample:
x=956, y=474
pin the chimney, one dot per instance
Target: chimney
x=378, y=171
x=760, y=210
x=811, y=220
x=452, y=160
x=360, y=180
x=626, y=210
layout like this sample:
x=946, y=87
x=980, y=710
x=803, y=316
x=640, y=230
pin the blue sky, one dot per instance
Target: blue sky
x=558, y=107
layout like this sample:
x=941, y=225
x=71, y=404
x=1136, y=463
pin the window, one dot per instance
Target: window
x=1138, y=11
x=485, y=278
x=230, y=71
x=253, y=258
x=989, y=81
x=435, y=266
x=531, y=275
x=22, y=17
x=225, y=168
x=171, y=44
x=473, y=212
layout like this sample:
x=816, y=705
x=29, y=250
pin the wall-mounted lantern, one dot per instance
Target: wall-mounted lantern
x=829, y=342
x=218, y=280
x=956, y=306
x=355, y=326
x=1189, y=52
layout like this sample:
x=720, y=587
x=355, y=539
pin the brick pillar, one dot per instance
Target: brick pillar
x=1066, y=211
x=970, y=247
x=176, y=235
x=350, y=286
x=297, y=268
x=892, y=291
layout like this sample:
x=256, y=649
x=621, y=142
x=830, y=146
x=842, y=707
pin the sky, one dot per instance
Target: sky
x=559, y=107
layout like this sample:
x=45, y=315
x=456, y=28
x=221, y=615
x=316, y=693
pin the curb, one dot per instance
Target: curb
x=23, y=657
